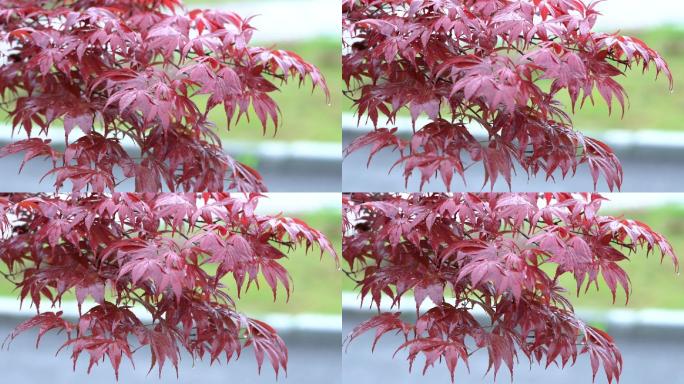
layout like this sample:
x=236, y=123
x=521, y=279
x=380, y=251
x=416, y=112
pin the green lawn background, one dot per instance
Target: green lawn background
x=653, y=106
x=316, y=281
x=654, y=285
x=307, y=116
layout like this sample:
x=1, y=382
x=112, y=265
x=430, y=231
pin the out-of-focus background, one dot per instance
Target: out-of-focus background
x=310, y=323
x=649, y=330
x=305, y=153
x=649, y=140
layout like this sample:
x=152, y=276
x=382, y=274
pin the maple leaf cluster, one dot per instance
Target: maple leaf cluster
x=494, y=65
x=174, y=257
x=500, y=254
x=138, y=70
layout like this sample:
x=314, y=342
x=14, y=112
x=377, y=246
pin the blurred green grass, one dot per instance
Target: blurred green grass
x=315, y=284
x=653, y=106
x=653, y=285
x=305, y=115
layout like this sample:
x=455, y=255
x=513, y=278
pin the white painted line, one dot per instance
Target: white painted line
x=351, y=302
x=306, y=150
x=308, y=322
x=9, y=307
x=350, y=123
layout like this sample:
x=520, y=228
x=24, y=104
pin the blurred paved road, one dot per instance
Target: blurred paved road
x=313, y=360
x=642, y=174
x=646, y=360
x=279, y=176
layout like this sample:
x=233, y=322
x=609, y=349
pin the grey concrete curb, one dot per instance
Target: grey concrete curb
x=650, y=323
x=317, y=159
x=305, y=325
x=651, y=143
x=328, y=153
